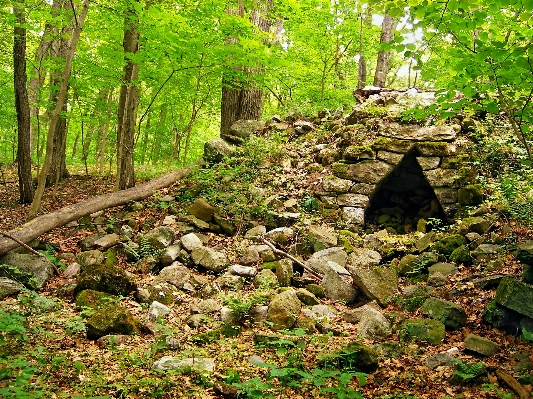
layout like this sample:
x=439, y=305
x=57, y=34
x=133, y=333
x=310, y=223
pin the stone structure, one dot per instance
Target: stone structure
x=408, y=170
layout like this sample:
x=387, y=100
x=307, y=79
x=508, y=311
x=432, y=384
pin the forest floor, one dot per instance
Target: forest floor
x=70, y=365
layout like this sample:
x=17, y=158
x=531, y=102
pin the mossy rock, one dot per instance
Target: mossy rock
x=393, y=145
x=110, y=279
x=112, y=319
x=358, y=152
x=355, y=356
x=448, y=313
x=225, y=330
x=316, y=290
x=461, y=255
x=448, y=244
x=431, y=331
x=434, y=149
x=269, y=266
x=470, y=195
x=93, y=299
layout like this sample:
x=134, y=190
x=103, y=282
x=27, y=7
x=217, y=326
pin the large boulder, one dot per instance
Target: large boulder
x=210, y=259
x=448, y=313
x=110, y=279
x=320, y=238
x=242, y=129
x=319, y=259
x=515, y=295
x=373, y=325
x=217, y=149
x=160, y=237
x=364, y=258
x=431, y=331
x=112, y=319
x=202, y=210
x=379, y=284
x=175, y=274
x=31, y=270
x=284, y=310
x=338, y=284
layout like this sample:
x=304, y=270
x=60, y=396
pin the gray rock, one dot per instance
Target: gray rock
x=319, y=259
x=194, y=221
x=284, y=310
x=481, y=345
x=441, y=177
x=445, y=269
x=355, y=200
x=280, y=235
x=217, y=149
x=440, y=359
x=437, y=279
x=243, y=271
x=227, y=225
x=446, y=195
x=170, y=254
x=258, y=314
x=353, y=215
x=191, y=241
x=321, y=311
x=197, y=320
x=210, y=259
x=160, y=237
x=265, y=253
x=427, y=163
x=284, y=272
x=88, y=258
x=379, y=284
x=250, y=257
x=72, y=270
x=8, y=287
x=363, y=258
x=255, y=232
x=370, y=171
x=486, y=249
x=320, y=238
x=413, y=291
x=175, y=274
x=230, y=282
x=525, y=252
x=157, y=310
x=417, y=133
x=373, y=325
x=336, y=185
x=489, y=282
x=242, y=129
x=228, y=316
x=88, y=242
x=451, y=315
x=476, y=224
x=197, y=364
x=206, y=306
x=353, y=316
x=306, y=297
x=202, y=210
x=339, y=288
x=107, y=241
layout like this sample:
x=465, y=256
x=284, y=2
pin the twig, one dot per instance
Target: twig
x=33, y=251
x=514, y=384
x=285, y=254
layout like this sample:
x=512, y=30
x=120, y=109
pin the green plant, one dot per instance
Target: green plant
x=468, y=373
x=309, y=204
x=493, y=388
x=241, y=306
x=49, y=254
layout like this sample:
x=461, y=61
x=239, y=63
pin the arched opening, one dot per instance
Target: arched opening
x=403, y=198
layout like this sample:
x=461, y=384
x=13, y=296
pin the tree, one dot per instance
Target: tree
x=241, y=96
x=23, y=108
x=382, y=65
x=129, y=99
x=59, y=107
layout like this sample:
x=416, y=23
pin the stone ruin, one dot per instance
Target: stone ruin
x=407, y=174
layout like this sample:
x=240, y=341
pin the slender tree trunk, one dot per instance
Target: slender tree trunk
x=54, y=120
x=361, y=64
x=23, y=109
x=128, y=102
x=105, y=131
x=382, y=65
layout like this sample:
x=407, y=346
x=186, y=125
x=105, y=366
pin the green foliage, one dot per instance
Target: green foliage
x=49, y=253
x=241, y=306
x=468, y=373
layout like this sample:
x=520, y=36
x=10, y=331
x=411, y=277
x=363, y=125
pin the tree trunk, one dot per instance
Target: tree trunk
x=128, y=102
x=382, y=65
x=242, y=99
x=42, y=224
x=23, y=109
x=54, y=120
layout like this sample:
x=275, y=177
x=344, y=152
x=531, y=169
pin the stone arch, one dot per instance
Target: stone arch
x=435, y=152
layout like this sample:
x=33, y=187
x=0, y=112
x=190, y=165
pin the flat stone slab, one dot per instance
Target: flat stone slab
x=481, y=345
x=418, y=133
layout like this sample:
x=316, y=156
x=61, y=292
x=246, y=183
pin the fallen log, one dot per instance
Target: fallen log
x=513, y=383
x=43, y=224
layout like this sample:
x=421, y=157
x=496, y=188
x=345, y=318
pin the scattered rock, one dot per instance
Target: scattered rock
x=481, y=345
x=110, y=279
x=157, y=310
x=284, y=310
x=210, y=259
x=373, y=325
x=112, y=319
x=160, y=237
x=31, y=270
x=284, y=272
x=202, y=210
x=451, y=315
x=339, y=287
x=515, y=295
x=379, y=284
x=197, y=364
x=431, y=331
x=9, y=287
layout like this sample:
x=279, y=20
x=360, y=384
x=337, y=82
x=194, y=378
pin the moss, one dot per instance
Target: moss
x=269, y=265
x=393, y=145
x=112, y=319
x=110, y=279
x=470, y=195
x=434, y=148
x=340, y=170
x=448, y=244
x=226, y=330
x=356, y=152
x=431, y=331
x=461, y=255
x=316, y=290
x=93, y=299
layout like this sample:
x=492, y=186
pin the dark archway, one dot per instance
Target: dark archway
x=403, y=198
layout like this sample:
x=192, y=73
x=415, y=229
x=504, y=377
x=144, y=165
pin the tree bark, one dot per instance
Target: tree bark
x=42, y=224
x=128, y=103
x=54, y=120
x=243, y=99
x=382, y=65
x=22, y=106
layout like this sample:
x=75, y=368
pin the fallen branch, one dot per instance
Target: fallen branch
x=33, y=251
x=288, y=256
x=42, y=224
x=513, y=383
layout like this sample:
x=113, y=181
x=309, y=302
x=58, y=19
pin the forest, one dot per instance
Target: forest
x=366, y=230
